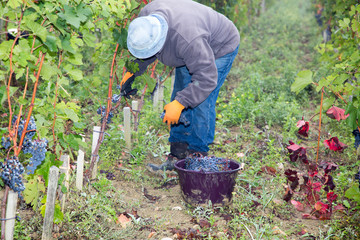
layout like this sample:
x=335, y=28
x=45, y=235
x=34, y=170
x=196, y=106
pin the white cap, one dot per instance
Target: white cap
x=147, y=35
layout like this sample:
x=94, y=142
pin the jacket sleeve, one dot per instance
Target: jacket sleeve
x=143, y=64
x=200, y=60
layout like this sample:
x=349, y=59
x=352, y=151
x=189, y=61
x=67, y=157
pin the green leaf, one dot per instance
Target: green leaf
x=355, y=25
x=76, y=74
x=32, y=191
x=5, y=48
x=51, y=42
x=14, y=3
x=3, y=92
x=303, y=79
x=76, y=59
x=58, y=214
x=37, y=29
x=344, y=23
x=65, y=44
x=89, y=39
x=353, y=114
x=120, y=37
x=69, y=15
x=346, y=203
x=48, y=70
x=44, y=168
x=70, y=113
x=353, y=193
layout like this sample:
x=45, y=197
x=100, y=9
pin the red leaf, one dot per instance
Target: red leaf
x=331, y=197
x=298, y=205
x=293, y=147
x=304, y=130
x=334, y=144
x=297, y=152
x=321, y=207
x=336, y=113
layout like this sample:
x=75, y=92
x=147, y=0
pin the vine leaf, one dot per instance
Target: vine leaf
x=303, y=79
x=4, y=94
x=32, y=191
x=37, y=29
x=334, y=144
x=336, y=113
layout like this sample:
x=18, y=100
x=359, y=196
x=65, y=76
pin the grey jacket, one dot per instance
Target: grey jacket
x=197, y=36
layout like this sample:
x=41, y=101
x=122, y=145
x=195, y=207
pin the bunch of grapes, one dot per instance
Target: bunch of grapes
x=11, y=171
x=5, y=142
x=31, y=129
x=102, y=111
x=356, y=134
x=38, y=150
x=207, y=164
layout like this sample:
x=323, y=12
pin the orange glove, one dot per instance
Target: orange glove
x=125, y=78
x=172, y=112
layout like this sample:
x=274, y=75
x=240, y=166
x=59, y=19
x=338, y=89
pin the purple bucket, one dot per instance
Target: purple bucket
x=200, y=187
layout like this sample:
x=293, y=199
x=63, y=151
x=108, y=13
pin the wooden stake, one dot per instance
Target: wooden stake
x=10, y=213
x=135, y=108
x=65, y=168
x=80, y=168
x=96, y=134
x=156, y=99
x=127, y=127
x=161, y=98
x=263, y=6
x=50, y=203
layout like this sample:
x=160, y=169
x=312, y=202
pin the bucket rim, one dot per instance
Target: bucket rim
x=178, y=168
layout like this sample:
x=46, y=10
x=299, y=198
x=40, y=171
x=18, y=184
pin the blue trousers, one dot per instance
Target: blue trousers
x=201, y=130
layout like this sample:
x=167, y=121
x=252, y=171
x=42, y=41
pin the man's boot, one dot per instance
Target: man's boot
x=178, y=150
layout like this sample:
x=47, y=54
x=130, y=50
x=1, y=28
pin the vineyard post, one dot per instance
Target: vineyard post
x=10, y=215
x=127, y=127
x=156, y=97
x=96, y=135
x=161, y=96
x=65, y=168
x=50, y=203
x=135, y=109
x=80, y=168
x=263, y=6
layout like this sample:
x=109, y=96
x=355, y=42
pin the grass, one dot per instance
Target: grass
x=257, y=115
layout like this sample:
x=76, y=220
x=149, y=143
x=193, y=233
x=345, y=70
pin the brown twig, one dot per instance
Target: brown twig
x=321, y=105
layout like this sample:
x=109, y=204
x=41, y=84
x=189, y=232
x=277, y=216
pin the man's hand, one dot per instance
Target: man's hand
x=172, y=112
x=125, y=85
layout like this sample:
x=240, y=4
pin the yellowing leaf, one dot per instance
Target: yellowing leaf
x=32, y=191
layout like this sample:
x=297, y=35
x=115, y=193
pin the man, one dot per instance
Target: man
x=202, y=44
